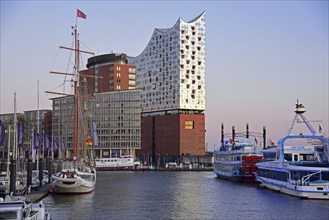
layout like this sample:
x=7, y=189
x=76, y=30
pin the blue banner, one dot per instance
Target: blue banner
x=2, y=134
x=20, y=134
x=95, y=137
x=46, y=142
x=63, y=144
x=55, y=144
x=36, y=140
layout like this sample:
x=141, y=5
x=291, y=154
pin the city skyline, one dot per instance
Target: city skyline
x=260, y=56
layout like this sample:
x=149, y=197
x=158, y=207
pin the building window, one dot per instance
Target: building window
x=132, y=70
x=189, y=124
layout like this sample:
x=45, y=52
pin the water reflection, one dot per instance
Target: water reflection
x=180, y=195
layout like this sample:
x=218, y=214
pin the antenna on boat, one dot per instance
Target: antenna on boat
x=300, y=110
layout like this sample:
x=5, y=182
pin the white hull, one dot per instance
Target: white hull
x=306, y=192
x=122, y=163
x=75, y=182
x=228, y=176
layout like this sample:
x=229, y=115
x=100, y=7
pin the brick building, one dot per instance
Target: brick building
x=112, y=73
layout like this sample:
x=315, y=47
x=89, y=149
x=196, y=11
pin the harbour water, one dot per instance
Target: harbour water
x=180, y=195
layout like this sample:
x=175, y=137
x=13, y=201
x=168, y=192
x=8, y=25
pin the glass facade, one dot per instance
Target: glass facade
x=171, y=69
x=117, y=116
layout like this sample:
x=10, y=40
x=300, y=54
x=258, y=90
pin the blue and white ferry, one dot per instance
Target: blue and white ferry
x=304, y=172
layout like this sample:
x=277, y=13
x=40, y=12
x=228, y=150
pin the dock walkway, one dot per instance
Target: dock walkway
x=38, y=194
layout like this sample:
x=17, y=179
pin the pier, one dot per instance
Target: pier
x=39, y=194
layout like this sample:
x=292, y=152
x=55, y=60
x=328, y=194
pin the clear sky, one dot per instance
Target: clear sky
x=261, y=56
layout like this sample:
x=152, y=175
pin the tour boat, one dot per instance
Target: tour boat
x=236, y=160
x=304, y=175
x=125, y=162
x=78, y=175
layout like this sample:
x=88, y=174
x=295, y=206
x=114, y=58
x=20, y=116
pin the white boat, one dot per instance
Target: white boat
x=5, y=183
x=17, y=207
x=77, y=176
x=74, y=179
x=125, y=162
x=36, y=179
x=236, y=161
x=305, y=172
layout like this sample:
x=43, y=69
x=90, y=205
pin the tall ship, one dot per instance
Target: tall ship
x=78, y=174
x=237, y=157
x=302, y=171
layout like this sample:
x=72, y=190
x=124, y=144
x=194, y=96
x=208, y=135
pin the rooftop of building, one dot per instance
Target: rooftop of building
x=112, y=58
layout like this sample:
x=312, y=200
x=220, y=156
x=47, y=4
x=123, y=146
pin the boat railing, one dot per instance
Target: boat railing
x=68, y=165
x=307, y=177
x=251, y=151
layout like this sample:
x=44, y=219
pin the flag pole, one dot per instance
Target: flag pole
x=52, y=146
x=76, y=19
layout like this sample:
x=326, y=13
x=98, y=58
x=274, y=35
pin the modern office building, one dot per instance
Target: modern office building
x=117, y=118
x=171, y=74
x=7, y=121
x=30, y=121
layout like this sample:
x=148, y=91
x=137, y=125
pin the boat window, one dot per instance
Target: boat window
x=325, y=176
x=285, y=177
x=278, y=155
x=315, y=177
x=295, y=157
x=288, y=157
x=294, y=175
x=308, y=157
x=323, y=157
x=303, y=173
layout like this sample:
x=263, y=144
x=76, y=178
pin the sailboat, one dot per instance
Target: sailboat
x=78, y=175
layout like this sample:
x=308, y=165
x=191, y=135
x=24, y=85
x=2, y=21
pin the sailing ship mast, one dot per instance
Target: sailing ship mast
x=76, y=85
x=76, y=93
x=15, y=130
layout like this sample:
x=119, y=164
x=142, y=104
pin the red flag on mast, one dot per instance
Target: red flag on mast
x=80, y=14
